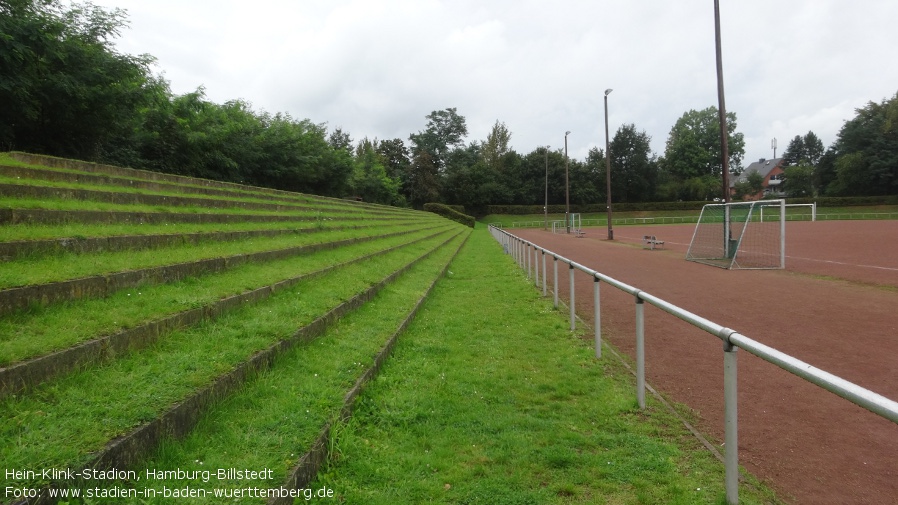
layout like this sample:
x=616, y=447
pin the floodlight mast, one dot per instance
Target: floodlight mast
x=724, y=148
x=567, y=189
x=608, y=168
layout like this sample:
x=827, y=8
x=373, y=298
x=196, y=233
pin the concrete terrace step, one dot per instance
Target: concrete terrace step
x=83, y=245
x=25, y=375
x=21, y=298
x=51, y=216
x=146, y=175
x=131, y=448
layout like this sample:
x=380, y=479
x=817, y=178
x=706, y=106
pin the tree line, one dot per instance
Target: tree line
x=66, y=91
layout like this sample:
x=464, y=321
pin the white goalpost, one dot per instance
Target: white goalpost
x=733, y=236
x=798, y=217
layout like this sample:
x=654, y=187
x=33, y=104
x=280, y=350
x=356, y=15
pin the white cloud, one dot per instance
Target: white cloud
x=377, y=67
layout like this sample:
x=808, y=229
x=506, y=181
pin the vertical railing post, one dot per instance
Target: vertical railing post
x=597, y=313
x=545, y=273
x=555, y=266
x=731, y=433
x=571, y=276
x=535, y=267
x=529, y=249
x=640, y=352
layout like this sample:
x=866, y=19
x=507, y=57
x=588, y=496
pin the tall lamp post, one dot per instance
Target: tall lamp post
x=546, y=206
x=567, y=189
x=608, y=168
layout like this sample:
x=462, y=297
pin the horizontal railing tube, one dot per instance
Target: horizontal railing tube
x=858, y=395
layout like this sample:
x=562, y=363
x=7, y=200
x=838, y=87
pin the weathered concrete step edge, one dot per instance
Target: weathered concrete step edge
x=48, y=174
x=133, y=173
x=97, y=286
x=125, y=198
x=25, y=375
x=115, y=243
x=305, y=470
x=50, y=217
x=128, y=450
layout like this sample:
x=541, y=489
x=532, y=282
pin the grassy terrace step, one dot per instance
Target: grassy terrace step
x=35, y=212
x=30, y=191
x=52, y=280
x=111, y=243
x=21, y=203
x=134, y=400
x=126, y=190
x=277, y=421
x=42, y=161
x=14, y=173
x=77, y=231
x=102, y=338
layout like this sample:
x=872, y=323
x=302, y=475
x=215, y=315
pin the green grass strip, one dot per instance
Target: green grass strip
x=26, y=335
x=271, y=422
x=90, y=205
x=78, y=231
x=490, y=399
x=42, y=270
x=60, y=425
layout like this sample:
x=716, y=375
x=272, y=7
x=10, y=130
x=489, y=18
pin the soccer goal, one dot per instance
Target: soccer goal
x=732, y=236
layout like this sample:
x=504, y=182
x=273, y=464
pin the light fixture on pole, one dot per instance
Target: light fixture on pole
x=546, y=206
x=567, y=189
x=608, y=168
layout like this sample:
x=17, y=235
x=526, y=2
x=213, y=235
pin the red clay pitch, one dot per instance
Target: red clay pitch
x=835, y=306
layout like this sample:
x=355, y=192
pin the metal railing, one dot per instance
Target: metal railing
x=623, y=221
x=524, y=252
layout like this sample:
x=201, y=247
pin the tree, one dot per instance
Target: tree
x=813, y=147
x=369, y=177
x=423, y=183
x=693, y=146
x=495, y=148
x=445, y=130
x=634, y=172
x=866, y=152
x=795, y=152
x=799, y=180
x=63, y=89
x=808, y=148
x=750, y=186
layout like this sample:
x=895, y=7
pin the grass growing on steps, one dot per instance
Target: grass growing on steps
x=73, y=266
x=274, y=420
x=61, y=423
x=489, y=398
x=46, y=329
x=17, y=232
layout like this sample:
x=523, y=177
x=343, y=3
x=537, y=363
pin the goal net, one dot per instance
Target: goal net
x=732, y=235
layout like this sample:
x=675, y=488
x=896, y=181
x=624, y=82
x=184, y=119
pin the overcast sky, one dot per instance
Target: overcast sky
x=377, y=67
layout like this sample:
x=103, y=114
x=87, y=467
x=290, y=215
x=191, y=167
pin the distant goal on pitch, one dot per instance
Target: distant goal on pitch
x=733, y=236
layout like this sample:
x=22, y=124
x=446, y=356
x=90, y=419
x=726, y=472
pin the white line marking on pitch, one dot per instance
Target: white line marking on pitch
x=843, y=263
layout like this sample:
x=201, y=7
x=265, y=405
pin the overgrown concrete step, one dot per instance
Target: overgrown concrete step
x=47, y=174
x=132, y=448
x=48, y=216
x=130, y=198
x=306, y=468
x=31, y=248
x=131, y=173
x=24, y=375
x=20, y=298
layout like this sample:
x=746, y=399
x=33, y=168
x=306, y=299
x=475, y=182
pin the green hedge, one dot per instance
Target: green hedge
x=594, y=208
x=847, y=201
x=450, y=213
